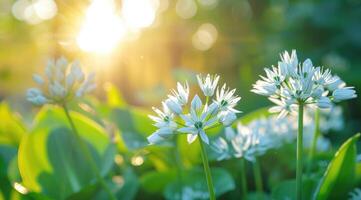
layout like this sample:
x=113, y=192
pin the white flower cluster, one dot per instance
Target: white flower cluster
x=292, y=83
x=201, y=117
x=254, y=139
x=62, y=83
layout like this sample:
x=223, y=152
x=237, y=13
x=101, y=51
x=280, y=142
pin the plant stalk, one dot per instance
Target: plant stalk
x=299, y=153
x=179, y=167
x=87, y=154
x=207, y=171
x=243, y=178
x=315, y=138
x=258, y=177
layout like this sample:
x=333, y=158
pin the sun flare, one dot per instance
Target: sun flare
x=104, y=27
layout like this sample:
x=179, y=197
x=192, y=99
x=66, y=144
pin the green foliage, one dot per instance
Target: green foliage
x=339, y=177
x=134, y=126
x=194, y=186
x=287, y=189
x=55, y=165
x=11, y=127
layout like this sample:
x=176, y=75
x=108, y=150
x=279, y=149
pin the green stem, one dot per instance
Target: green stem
x=299, y=153
x=315, y=138
x=243, y=178
x=258, y=177
x=178, y=164
x=87, y=154
x=207, y=171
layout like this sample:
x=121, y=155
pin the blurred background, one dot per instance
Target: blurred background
x=145, y=46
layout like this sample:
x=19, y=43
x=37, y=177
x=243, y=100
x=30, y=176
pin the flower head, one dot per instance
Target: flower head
x=62, y=83
x=181, y=94
x=201, y=116
x=208, y=84
x=226, y=100
x=164, y=122
x=198, y=120
x=255, y=139
x=292, y=83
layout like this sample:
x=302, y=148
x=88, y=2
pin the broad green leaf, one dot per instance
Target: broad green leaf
x=287, y=189
x=50, y=160
x=339, y=177
x=134, y=126
x=11, y=127
x=129, y=189
x=163, y=178
x=194, y=186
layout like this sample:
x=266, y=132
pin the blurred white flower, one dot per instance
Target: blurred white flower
x=345, y=93
x=254, y=139
x=208, y=84
x=62, y=83
x=355, y=194
x=227, y=118
x=292, y=83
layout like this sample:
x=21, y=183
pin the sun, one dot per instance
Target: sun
x=104, y=28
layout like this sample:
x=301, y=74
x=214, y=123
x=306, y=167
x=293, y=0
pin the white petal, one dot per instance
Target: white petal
x=191, y=138
x=196, y=103
x=204, y=137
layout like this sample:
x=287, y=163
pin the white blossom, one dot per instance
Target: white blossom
x=345, y=93
x=254, y=139
x=165, y=124
x=292, y=83
x=226, y=100
x=61, y=84
x=208, y=84
x=181, y=94
x=174, y=119
x=197, y=121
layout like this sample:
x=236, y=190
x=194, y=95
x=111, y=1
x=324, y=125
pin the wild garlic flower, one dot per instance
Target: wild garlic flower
x=253, y=140
x=355, y=194
x=62, y=83
x=208, y=84
x=201, y=116
x=164, y=122
x=292, y=83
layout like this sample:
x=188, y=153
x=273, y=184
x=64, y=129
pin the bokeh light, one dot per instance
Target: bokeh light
x=186, y=9
x=205, y=37
x=139, y=13
x=34, y=12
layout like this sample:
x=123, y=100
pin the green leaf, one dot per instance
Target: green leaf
x=129, y=189
x=50, y=160
x=134, y=126
x=287, y=189
x=11, y=127
x=339, y=177
x=163, y=178
x=194, y=185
